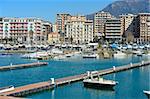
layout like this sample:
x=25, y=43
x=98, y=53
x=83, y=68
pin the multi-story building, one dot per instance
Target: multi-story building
x=128, y=24
x=143, y=23
x=113, y=29
x=54, y=28
x=99, y=21
x=60, y=23
x=79, y=29
x=1, y=29
x=25, y=30
x=46, y=29
x=53, y=37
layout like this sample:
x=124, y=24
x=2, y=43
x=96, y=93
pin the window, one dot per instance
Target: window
x=6, y=20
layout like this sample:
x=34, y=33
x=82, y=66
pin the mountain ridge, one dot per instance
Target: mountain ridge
x=125, y=6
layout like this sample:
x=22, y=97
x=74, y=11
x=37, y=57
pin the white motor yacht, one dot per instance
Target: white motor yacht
x=59, y=57
x=35, y=55
x=100, y=83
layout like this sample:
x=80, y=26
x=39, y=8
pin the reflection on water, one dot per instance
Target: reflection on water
x=53, y=94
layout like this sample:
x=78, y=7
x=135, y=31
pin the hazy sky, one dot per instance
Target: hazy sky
x=47, y=9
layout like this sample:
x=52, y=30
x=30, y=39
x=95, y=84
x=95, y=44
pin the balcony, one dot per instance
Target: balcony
x=113, y=25
x=18, y=29
x=119, y=37
x=113, y=31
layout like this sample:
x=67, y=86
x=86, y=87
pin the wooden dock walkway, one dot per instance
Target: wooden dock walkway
x=32, y=88
x=20, y=66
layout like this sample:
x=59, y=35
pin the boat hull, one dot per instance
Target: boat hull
x=147, y=94
x=99, y=86
x=88, y=57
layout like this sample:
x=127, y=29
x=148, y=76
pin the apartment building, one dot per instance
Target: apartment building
x=79, y=30
x=99, y=21
x=128, y=25
x=143, y=21
x=60, y=22
x=25, y=30
x=113, y=29
x=54, y=28
x=53, y=37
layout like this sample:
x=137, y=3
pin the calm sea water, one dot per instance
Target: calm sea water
x=131, y=82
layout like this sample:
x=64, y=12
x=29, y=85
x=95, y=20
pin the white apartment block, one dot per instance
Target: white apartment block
x=99, y=21
x=79, y=29
x=113, y=30
x=24, y=30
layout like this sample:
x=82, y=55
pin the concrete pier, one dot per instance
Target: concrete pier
x=21, y=66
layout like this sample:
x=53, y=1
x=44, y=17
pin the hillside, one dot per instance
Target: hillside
x=126, y=6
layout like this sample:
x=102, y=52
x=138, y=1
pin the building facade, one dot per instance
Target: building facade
x=24, y=30
x=53, y=37
x=129, y=25
x=79, y=30
x=113, y=30
x=143, y=21
x=60, y=22
x=54, y=28
x=99, y=21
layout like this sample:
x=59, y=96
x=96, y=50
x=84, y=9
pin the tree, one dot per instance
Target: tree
x=95, y=39
x=5, y=39
x=61, y=40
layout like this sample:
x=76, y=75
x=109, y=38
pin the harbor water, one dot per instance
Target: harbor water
x=131, y=82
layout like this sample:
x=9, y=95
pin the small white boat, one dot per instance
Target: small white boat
x=135, y=46
x=129, y=46
x=60, y=57
x=6, y=89
x=56, y=51
x=147, y=93
x=138, y=52
x=90, y=56
x=119, y=54
x=69, y=55
x=147, y=46
x=35, y=55
x=141, y=47
x=99, y=83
